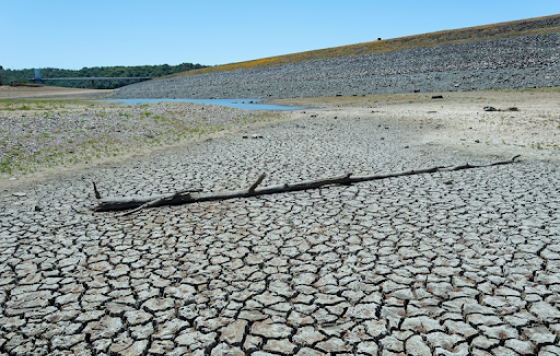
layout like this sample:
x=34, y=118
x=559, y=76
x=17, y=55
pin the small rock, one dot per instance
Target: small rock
x=19, y=194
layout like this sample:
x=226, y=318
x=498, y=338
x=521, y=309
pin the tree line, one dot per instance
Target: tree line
x=18, y=76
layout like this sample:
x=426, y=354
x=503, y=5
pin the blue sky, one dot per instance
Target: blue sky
x=73, y=34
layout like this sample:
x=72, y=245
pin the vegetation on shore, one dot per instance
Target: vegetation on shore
x=40, y=134
x=10, y=76
x=527, y=27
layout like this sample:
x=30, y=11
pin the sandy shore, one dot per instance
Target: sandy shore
x=459, y=121
x=464, y=262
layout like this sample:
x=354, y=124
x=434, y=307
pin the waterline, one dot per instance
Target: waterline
x=246, y=104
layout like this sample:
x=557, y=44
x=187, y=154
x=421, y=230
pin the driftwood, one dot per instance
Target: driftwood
x=196, y=196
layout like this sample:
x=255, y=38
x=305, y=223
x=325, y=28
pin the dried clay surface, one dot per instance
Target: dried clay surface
x=450, y=263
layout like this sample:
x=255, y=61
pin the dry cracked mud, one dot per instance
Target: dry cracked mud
x=453, y=263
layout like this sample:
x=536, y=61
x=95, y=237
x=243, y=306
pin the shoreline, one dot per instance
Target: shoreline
x=457, y=123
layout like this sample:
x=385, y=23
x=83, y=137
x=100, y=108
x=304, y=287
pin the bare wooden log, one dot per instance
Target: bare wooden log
x=156, y=202
x=196, y=196
x=499, y=163
x=110, y=204
x=509, y=161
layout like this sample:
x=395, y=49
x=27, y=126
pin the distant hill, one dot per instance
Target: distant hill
x=526, y=27
x=23, y=75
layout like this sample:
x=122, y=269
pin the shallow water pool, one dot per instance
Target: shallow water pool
x=247, y=104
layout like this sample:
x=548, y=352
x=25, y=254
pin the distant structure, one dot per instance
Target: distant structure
x=37, y=76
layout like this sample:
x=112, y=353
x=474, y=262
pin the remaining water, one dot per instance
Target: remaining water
x=247, y=104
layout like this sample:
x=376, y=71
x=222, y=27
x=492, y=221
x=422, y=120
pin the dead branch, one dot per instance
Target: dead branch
x=195, y=195
x=97, y=194
x=257, y=183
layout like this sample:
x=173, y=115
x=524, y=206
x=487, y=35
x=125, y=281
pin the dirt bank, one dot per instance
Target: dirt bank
x=49, y=92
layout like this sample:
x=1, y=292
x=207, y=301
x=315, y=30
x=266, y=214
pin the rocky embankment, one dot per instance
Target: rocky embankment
x=520, y=62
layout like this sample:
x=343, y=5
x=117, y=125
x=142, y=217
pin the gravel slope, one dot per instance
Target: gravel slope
x=507, y=63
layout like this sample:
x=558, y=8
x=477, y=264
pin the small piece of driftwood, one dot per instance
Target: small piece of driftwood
x=196, y=195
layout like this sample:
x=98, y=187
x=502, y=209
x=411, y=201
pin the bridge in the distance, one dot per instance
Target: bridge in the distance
x=38, y=79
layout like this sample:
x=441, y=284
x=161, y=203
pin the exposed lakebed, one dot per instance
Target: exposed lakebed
x=246, y=104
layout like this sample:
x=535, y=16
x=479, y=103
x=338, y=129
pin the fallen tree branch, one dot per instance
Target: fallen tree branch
x=97, y=194
x=157, y=202
x=109, y=204
x=195, y=196
x=257, y=183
